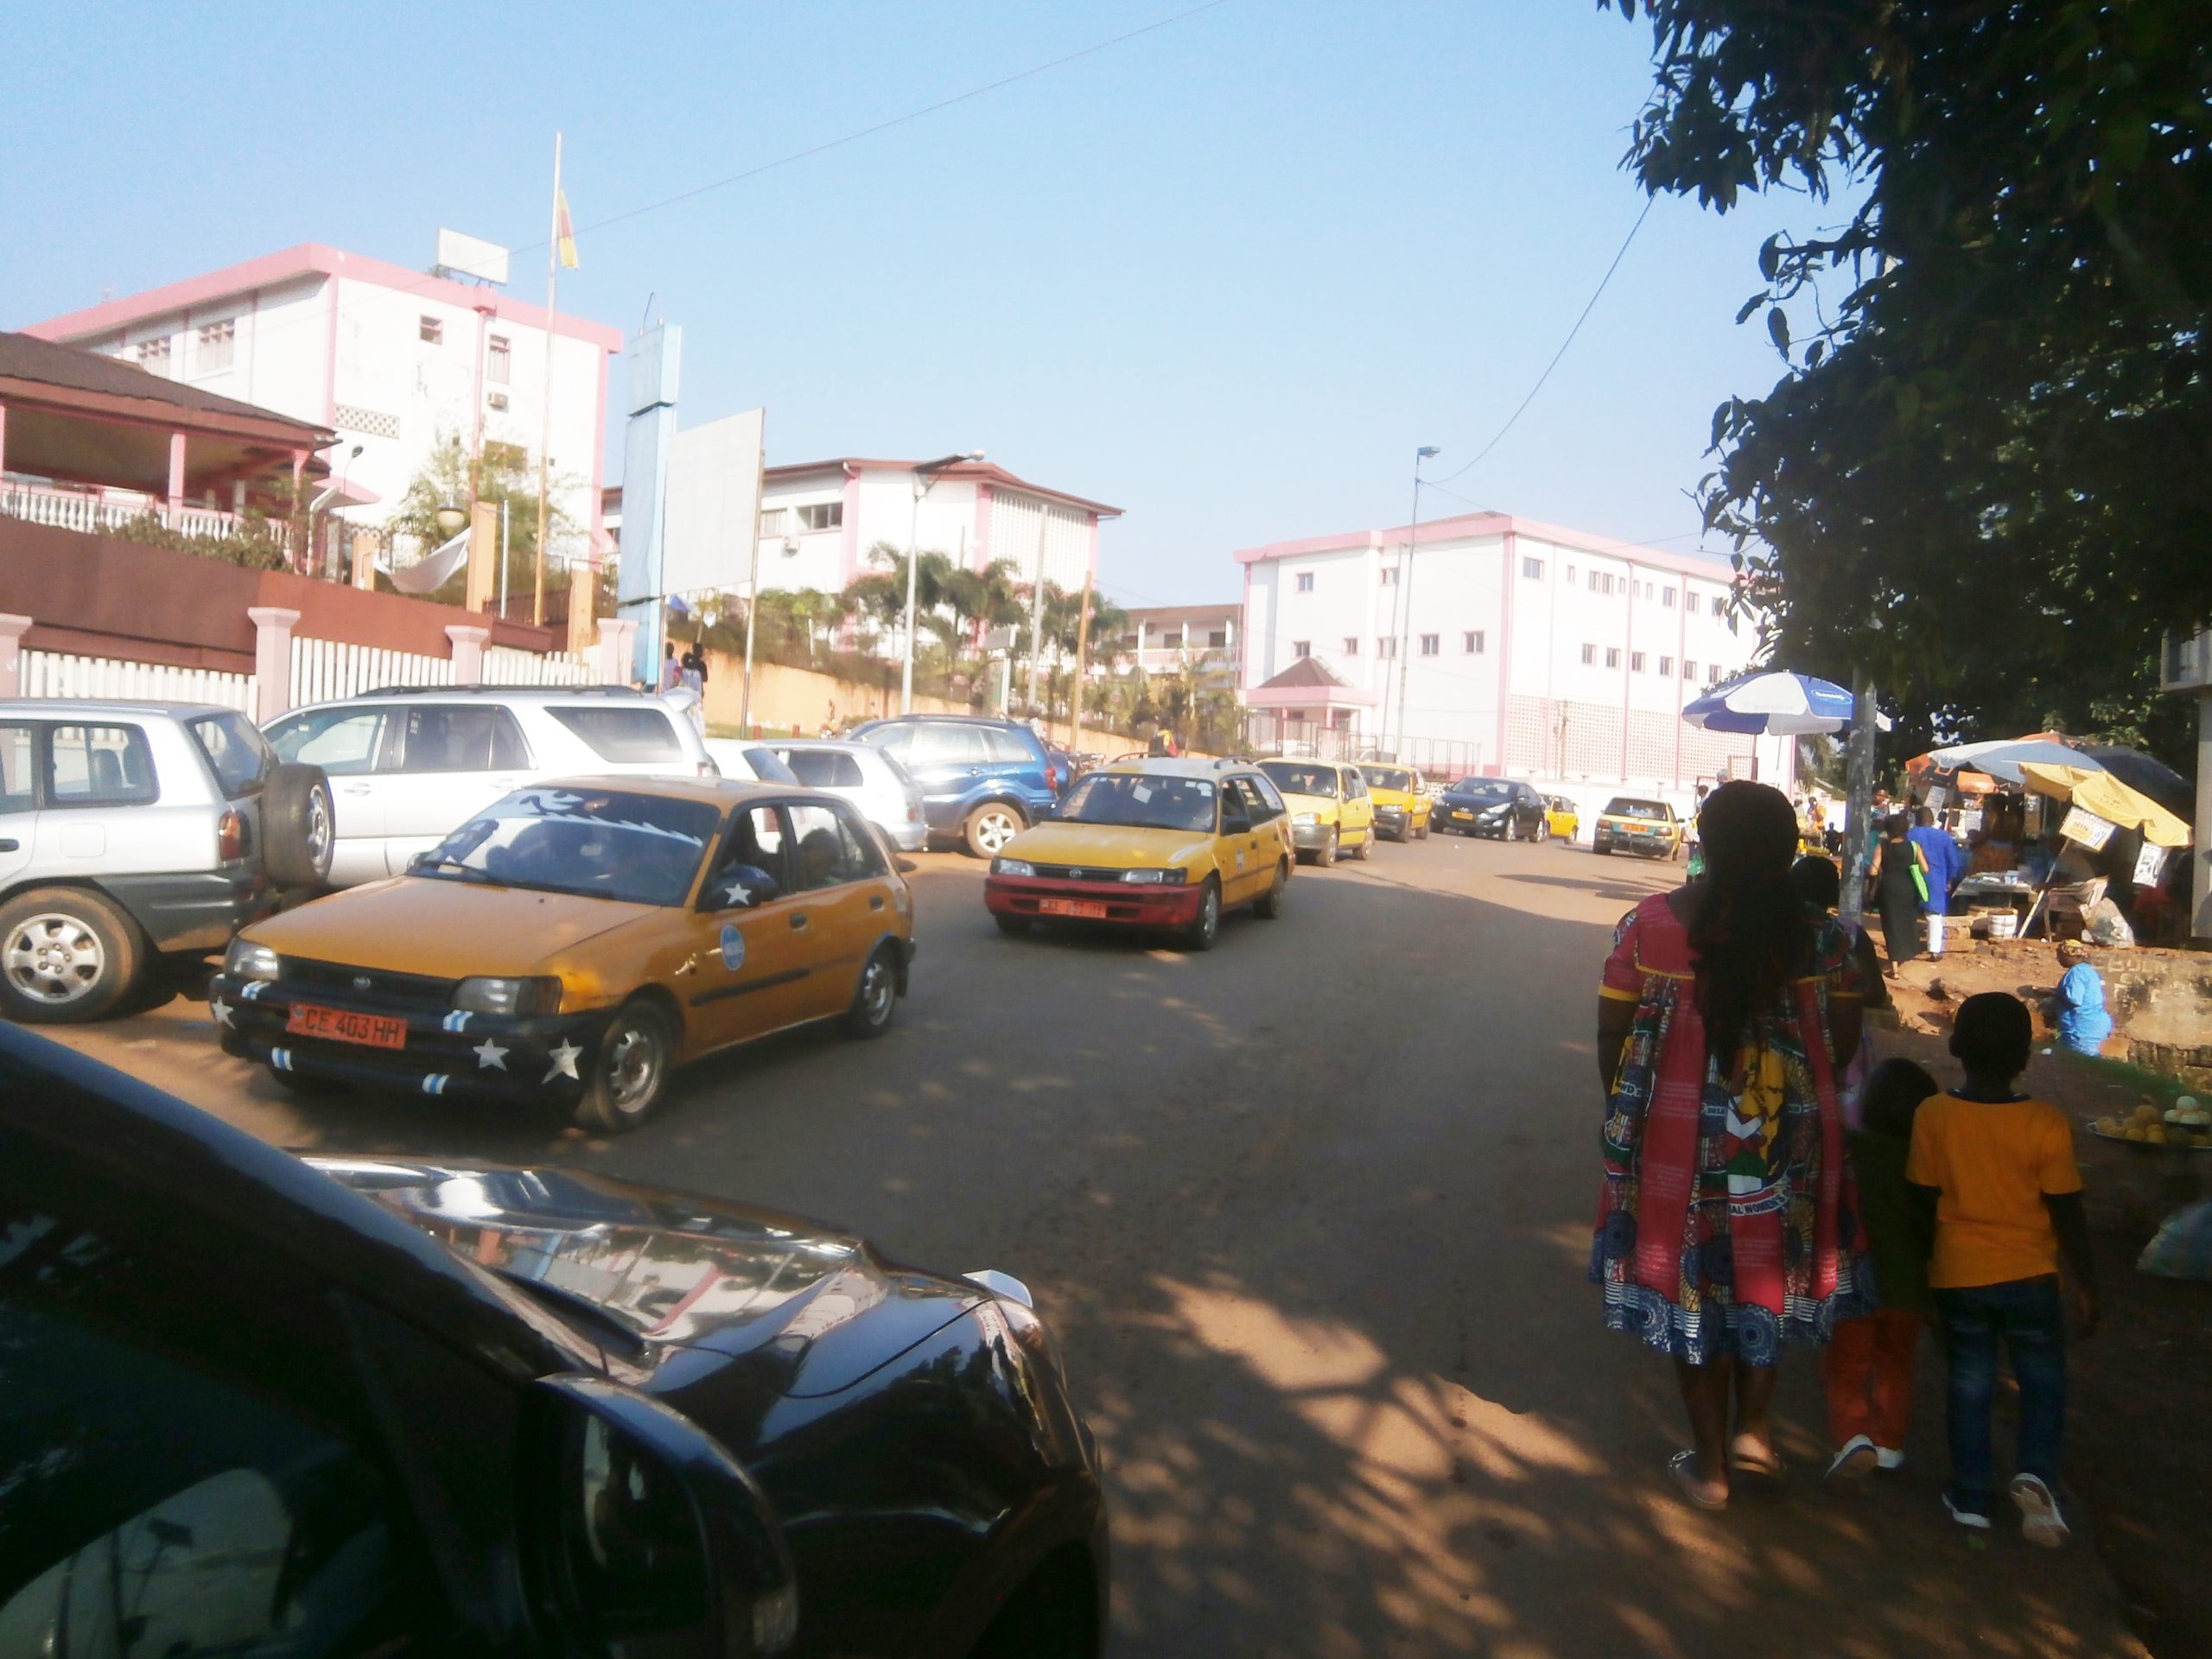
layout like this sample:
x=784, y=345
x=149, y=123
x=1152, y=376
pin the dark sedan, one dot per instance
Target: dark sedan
x=1492, y=806
x=478, y=1409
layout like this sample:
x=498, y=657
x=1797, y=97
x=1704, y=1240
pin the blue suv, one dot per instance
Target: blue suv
x=983, y=781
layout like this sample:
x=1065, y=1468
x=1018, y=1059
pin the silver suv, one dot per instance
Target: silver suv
x=128, y=830
x=409, y=766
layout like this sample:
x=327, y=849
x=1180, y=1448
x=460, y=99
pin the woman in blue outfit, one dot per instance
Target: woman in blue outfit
x=2078, y=1009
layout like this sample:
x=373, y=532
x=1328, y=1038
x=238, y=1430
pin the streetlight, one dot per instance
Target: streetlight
x=926, y=476
x=450, y=519
x=1404, y=603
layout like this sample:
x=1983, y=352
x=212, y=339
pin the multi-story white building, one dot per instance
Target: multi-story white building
x=395, y=361
x=1530, y=651
x=1163, y=637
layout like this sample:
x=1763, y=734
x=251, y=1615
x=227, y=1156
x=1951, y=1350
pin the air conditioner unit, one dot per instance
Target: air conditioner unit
x=791, y=547
x=498, y=400
x=2185, y=664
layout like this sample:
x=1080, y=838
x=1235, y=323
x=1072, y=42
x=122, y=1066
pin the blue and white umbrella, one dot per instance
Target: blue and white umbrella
x=1769, y=702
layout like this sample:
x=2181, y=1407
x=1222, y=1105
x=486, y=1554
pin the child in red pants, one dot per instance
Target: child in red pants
x=1868, y=1366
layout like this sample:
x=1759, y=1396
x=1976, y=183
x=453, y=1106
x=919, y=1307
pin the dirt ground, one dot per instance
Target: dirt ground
x=2139, y=1431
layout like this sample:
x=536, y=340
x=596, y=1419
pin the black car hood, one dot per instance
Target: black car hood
x=679, y=1271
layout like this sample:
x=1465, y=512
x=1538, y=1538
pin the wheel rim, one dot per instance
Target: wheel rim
x=55, y=959
x=878, y=990
x=1209, y=914
x=319, y=831
x=631, y=1065
x=994, y=830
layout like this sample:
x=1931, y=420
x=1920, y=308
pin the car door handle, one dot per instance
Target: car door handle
x=875, y=899
x=11, y=846
x=354, y=789
x=799, y=920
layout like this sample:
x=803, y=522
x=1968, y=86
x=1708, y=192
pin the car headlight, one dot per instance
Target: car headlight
x=1306, y=817
x=246, y=960
x=488, y=995
x=1156, y=878
x=1013, y=866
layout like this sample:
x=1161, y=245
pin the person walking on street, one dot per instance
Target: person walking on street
x=1898, y=886
x=672, y=672
x=1946, y=863
x=1725, y=1012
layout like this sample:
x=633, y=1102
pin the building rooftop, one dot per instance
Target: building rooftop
x=1172, y=616
x=1470, y=526
x=980, y=472
x=1307, y=672
x=70, y=369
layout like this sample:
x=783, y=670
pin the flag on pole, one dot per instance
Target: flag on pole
x=565, y=233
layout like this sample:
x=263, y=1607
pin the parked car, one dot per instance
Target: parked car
x=1330, y=808
x=259, y=1405
x=573, y=943
x=1400, y=810
x=408, y=763
x=748, y=760
x=130, y=830
x=1150, y=844
x=1561, y=817
x=1492, y=806
x=983, y=781
x=1635, y=824
x=866, y=774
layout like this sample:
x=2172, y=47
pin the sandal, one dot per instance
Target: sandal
x=1679, y=1466
x=1770, y=1467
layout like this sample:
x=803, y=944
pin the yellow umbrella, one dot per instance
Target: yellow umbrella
x=2106, y=796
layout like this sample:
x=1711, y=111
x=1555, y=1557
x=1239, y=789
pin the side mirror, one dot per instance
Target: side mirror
x=650, y=1537
x=418, y=864
x=904, y=866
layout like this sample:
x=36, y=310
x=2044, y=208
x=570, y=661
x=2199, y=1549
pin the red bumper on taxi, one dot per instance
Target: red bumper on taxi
x=1038, y=899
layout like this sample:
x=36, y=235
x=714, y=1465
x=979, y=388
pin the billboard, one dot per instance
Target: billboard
x=471, y=256
x=713, y=505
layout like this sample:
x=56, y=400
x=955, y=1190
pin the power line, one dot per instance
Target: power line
x=1558, y=355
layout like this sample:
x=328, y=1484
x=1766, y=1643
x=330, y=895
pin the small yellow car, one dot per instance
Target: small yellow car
x=1400, y=810
x=1331, y=810
x=1150, y=843
x=1561, y=819
x=1637, y=824
x=576, y=941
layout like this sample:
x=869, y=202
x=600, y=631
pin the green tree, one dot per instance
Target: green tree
x=1986, y=472
x=505, y=478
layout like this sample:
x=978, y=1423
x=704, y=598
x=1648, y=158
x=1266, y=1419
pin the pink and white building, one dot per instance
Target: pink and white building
x=393, y=360
x=1530, y=651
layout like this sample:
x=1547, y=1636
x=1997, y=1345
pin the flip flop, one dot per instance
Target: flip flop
x=1679, y=1466
x=1769, y=1468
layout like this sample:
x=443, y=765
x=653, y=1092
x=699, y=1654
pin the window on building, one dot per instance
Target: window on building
x=1472, y=642
x=1689, y=668
x=1712, y=673
x=431, y=331
x=1390, y=576
x=1612, y=655
x=499, y=361
x=1340, y=719
x=1595, y=576
x=154, y=354
x=1301, y=649
x=1589, y=655
x=1386, y=647
x=1636, y=662
x=1305, y=581
x=772, y=526
x=1570, y=575
x=1609, y=582
x=1532, y=570
x=821, y=515
x=1431, y=644
x=1351, y=644
x=1666, y=668
x=218, y=346
x=1217, y=638
x=1667, y=597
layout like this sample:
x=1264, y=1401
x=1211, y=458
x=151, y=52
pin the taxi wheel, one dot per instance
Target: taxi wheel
x=1268, y=904
x=1420, y=831
x=1366, y=847
x=875, y=999
x=990, y=826
x=630, y=1078
x=1202, y=932
x=1327, y=854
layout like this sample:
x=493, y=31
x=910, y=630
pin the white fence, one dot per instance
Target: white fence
x=504, y=665
x=91, y=514
x=53, y=674
x=323, y=670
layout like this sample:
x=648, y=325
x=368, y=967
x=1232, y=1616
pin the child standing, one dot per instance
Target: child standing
x=1867, y=1367
x=2007, y=1199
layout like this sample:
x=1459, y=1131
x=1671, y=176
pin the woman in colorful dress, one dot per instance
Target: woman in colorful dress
x=1727, y=1229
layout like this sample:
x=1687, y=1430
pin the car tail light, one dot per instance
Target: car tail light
x=230, y=838
x=1052, y=776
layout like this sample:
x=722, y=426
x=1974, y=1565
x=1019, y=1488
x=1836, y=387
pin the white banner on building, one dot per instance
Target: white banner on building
x=714, y=505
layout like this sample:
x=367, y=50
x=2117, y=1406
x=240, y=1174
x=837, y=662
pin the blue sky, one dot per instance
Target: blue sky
x=1227, y=276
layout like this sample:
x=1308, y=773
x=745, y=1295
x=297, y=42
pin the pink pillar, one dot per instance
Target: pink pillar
x=4, y=437
x=617, y=641
x=12, y=629
x=272, y=659
x=467, y=652
x=176, y=471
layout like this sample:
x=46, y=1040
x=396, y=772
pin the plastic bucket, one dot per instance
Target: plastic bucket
x=2003, y=924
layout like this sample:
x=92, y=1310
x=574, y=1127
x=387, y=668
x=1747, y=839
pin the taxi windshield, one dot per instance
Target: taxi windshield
x=1302, y=778
x=604, y=844
x=1142, y=800
x=1387, y=777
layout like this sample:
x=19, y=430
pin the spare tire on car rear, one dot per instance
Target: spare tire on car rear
x=299, y=826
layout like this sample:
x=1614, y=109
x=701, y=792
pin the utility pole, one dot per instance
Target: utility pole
x=1406, y=591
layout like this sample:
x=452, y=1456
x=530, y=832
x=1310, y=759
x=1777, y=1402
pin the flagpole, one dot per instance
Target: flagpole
x=545, y=393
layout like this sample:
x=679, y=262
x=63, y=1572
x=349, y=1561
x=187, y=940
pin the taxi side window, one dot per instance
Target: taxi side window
x=821, y=853
x=751, y=869
x=1236, y=810
x=1355, y=784
x=863, y=855
x=1261, y=788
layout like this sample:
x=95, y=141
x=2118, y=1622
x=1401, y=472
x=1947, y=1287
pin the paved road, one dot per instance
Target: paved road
x=1310, y=1214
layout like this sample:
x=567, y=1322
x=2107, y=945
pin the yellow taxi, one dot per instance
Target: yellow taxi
x=1634, y=824
x=1560, y=817
x=1400, y=810
x=1150, y=843
x=576, y=941
x=1331, y=810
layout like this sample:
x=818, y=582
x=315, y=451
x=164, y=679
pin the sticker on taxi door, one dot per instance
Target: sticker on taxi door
x=733, y=947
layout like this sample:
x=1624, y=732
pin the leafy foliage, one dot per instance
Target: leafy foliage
x=1986, y=475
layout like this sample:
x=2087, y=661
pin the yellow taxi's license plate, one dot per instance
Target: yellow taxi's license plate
x=345, y=1025
x=1087, y=908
